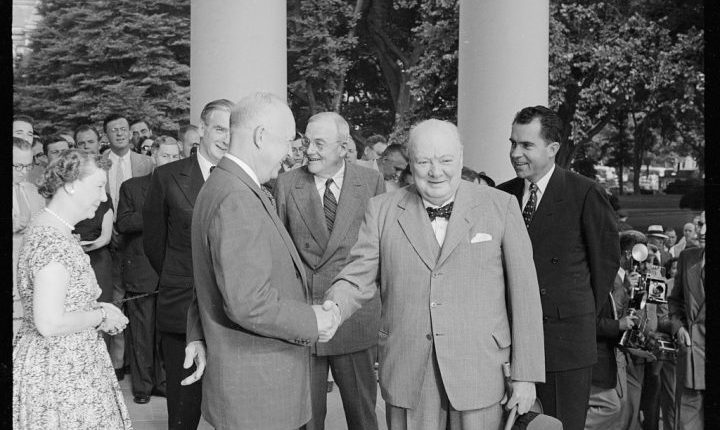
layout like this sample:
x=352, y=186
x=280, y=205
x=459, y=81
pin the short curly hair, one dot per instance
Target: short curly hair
x=71, y=165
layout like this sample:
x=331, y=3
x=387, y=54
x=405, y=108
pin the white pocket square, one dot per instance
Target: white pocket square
x=481, y=237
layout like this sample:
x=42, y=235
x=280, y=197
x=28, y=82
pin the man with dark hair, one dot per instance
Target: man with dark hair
x=304, y=196
x=574, y=234
x=87, y=138
x=190, y=139
x=126, y=164
x=22, y=127
x=167, y=216
x=140, y=128
x=375, y=145
x=54, y=145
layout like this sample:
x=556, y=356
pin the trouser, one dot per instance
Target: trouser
x=630, y=414
x=650, y=398
x=146, y=370
x=565, y=396
x=667, y=394
x=354, y=376
x=117, y=342
x=183, y=402
x=101, y=263
x=434, y=411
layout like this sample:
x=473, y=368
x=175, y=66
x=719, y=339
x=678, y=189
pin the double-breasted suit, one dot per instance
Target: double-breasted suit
x=576, y=250
x=167, y=217
x=300, y=208
x=252, y=308
x=455, y=299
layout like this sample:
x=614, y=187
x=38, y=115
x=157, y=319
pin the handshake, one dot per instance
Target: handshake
x=328, y=320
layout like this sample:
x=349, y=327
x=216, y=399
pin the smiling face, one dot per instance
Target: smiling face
x=435, y=160
x=140, y=130
x=23, y=130
x=215, y=135
x=54, y=149
x=325, y=153
x=276, y=135
x=531, y=156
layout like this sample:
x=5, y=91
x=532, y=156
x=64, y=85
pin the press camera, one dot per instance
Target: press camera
x=651, y=288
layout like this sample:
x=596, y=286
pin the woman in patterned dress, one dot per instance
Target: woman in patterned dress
x=62, y=375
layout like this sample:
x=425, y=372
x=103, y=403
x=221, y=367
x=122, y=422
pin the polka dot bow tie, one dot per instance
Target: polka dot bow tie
x=442, y=212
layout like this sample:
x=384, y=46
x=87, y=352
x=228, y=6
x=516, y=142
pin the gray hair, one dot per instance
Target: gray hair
x=251, y=110
x=342, y=126
x=432, y=123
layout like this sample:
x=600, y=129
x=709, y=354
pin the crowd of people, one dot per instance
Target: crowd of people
x=236, y=268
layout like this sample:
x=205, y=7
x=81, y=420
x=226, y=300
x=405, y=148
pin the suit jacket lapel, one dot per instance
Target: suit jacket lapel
x=458, y=225
x=308, y=202
x=546, y=208
x=348, y=204
x=236, y=170
x=190, y=179
x=415, y=224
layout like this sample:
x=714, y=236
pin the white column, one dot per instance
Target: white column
x=503, y=67
x=237, y=47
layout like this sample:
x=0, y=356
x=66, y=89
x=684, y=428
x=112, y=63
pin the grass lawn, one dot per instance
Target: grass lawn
x=663, y=209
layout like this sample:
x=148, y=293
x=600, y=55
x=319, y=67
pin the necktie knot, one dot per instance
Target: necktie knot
x=441, y=212
x=212, y=168
x=533, y=187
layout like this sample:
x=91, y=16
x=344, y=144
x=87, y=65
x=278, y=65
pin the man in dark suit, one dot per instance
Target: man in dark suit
x=322, y=206
x=167, y=216
x=252, y=310
x=573, y=230
x=139, y=279
x=126, y=164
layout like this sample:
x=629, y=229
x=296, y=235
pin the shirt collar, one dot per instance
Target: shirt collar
x=621, y=272
x=243, y=166
x=427, y=204
x=337, y=178
x=542, y=182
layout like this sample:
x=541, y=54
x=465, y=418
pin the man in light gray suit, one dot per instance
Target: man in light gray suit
x=322, y=206
x=454, y=261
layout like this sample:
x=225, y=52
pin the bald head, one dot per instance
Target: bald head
x=262, y=128
x=436, y=156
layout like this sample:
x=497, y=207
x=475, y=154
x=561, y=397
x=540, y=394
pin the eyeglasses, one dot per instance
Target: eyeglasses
x=319, y=143
x=21, y=167
x=119, y=129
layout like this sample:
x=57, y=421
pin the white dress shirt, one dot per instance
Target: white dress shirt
x=439, y=224
x=335, y=187
x=205, y=165
x=541, y=186
x=243, y=166
x=112, y=176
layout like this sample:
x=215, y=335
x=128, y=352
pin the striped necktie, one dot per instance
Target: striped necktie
x=269, y=195
x=330, y=206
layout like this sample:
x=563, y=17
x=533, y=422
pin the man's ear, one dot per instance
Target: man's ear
x=201, y=128
x=258, y=135
x=553, y=148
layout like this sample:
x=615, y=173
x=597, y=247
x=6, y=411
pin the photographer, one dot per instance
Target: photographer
x=608, y=374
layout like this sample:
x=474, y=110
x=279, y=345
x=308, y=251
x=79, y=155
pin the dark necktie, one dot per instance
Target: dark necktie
x=269, y=195
x=442, y=212
x=530, y=205
x=212, y=168
x=330, y=205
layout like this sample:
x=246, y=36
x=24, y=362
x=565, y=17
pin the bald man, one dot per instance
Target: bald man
x=451, y=260
x=251, y=323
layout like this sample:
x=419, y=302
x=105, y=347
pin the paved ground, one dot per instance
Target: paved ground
x=153, y=415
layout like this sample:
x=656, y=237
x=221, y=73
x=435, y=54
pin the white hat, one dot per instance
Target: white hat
x=657, y=231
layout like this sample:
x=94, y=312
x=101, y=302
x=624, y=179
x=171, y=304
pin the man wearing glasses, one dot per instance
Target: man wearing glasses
x=139, y=279
x=322, y=206
x=167, y=216
x=26, y=203
x=126, y=164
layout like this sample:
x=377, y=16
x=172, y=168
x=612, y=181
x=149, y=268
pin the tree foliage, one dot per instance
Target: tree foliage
x=92, y=57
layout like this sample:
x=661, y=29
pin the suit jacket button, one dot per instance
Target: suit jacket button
x=543, y=291
x=555, y=260
x=545, y=319
x=428, y=336
x=307, y=245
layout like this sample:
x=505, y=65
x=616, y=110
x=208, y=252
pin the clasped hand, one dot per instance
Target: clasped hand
x=115, y=320
x=523, y=396
x=328, y=320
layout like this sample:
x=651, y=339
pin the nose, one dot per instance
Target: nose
x=434, y=170
x=103, y=195
x=515, y=151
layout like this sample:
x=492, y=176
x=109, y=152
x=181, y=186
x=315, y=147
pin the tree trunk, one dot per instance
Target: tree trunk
x=337, y=100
